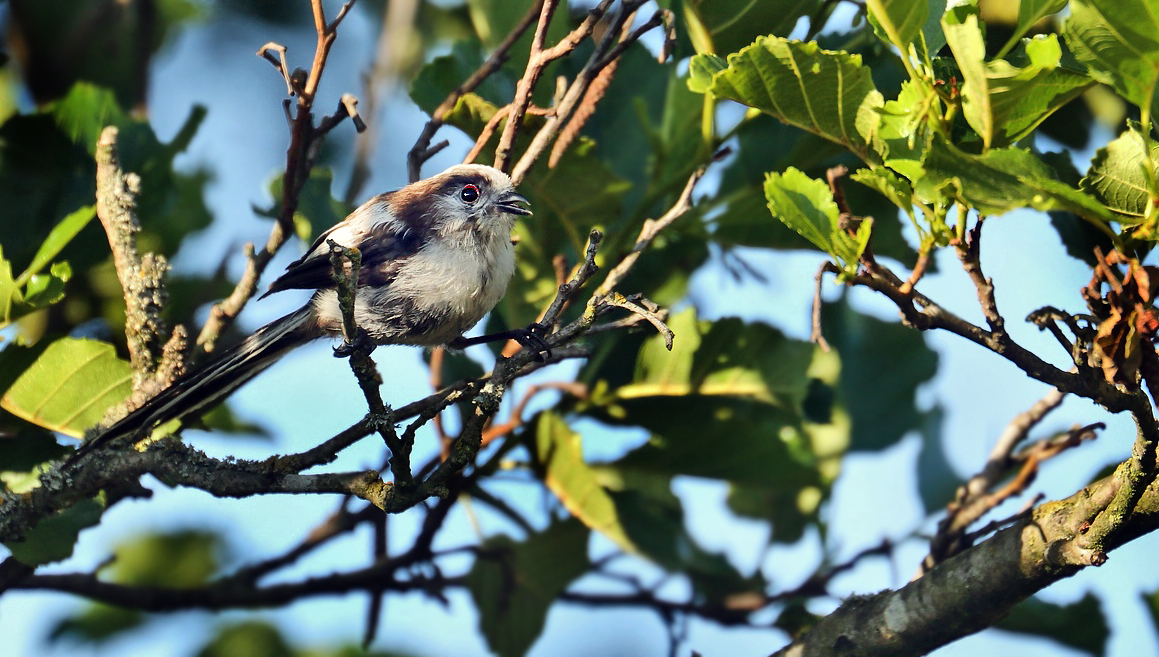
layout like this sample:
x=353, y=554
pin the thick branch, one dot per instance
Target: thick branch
x=978, y=587
x=142, y=278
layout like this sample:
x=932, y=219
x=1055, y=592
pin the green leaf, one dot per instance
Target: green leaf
x=60, y=236
x=1081, y=625
x=84, y=113
x=1022, y=98
x=788, y=511
x=46, y=289
x=250, y=638
x=97, y=623
x=806, y=205
x=726, y=358
x=964, y=35
x=177, y=560
x=701, y=69
x=514, y=584
x=1118, y=177
x=437, y=79
x=53, y=538
x=41, y=290
x=1002, y=102
x=1119, y=41
x=559, y=451
x=1029, y=13
x=1005, y=179
x=899, y=129
x=827, y=93
x=722, y=438
x=882, y=366
x=70, y=386
x=43, y=177
x=724, y=26
x=738, y=385
x=901, y=20
x=890, y=185
x=28, y=449
x=932, y=34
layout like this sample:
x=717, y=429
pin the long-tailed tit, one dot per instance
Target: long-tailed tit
x=436, y=257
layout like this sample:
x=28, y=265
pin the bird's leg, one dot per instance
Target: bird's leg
x=532, y=337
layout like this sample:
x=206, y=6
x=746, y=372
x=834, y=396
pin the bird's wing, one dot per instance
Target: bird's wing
x=383, y=244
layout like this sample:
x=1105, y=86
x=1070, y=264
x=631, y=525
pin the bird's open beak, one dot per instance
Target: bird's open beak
x=514, y=203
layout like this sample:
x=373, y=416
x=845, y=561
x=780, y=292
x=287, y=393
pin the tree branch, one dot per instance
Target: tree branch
x=305, y=143
x=977, y=588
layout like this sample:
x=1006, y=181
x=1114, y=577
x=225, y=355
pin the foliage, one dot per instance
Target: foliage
x=939, y=122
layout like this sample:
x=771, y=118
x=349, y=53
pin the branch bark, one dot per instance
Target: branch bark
x=977, y=588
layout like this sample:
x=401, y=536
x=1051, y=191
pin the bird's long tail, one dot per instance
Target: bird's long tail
x=214, y=380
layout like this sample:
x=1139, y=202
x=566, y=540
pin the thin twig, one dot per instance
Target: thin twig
x=535, y=65
x=817, y=337
x=649, y=232
x=421, y=151
x=576, y=91
x=305, y=140
x=969, y=253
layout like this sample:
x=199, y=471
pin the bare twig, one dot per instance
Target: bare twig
x=305, y=140
x=421, y=151
x=572, y=388
x=816, y=336
x=969, y=252
x=649, y=232
x=535, y=65
x=575, y=93
x=347, y=262
x=619, y=301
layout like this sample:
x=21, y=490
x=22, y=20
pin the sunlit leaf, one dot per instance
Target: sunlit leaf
x=70, y=386
x=902, y=19
x=1119, y=41
x=576, y=485
x=1118, y=176
x=806, y=205
x=1001, y=101
x=60, y=236
x=1005, y=179
x=824, y=92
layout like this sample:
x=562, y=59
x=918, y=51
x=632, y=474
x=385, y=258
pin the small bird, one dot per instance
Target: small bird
x=436, y=257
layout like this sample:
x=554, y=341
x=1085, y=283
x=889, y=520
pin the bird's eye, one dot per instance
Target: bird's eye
x=469, y=193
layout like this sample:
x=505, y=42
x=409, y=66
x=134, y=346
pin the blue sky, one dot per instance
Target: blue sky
x=243, y=141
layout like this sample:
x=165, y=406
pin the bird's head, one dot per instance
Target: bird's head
x=473, y=197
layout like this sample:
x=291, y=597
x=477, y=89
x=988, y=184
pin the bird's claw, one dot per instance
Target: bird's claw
x=348, y=347
x=534, y=338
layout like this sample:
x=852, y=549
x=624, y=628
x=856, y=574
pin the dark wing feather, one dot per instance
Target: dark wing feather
x=383, y=247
